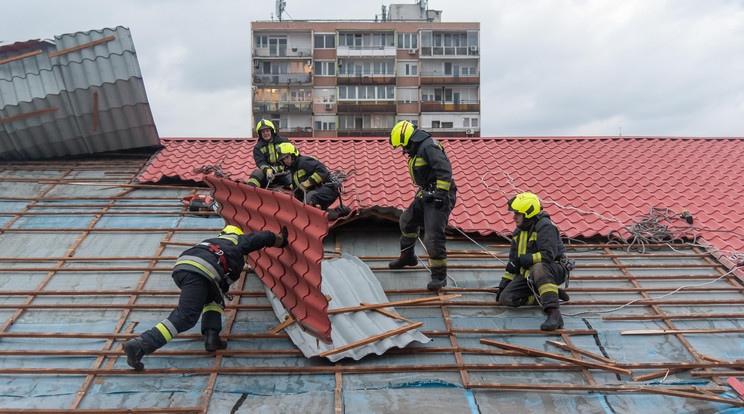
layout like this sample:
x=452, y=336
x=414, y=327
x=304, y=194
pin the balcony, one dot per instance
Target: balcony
x=372, y=132
x=365, y=80
x=462, y=51
x=362, y=106
x=450, y=107
x=282, y=52
x=367, y=51
x=282, y=107
x=282, y=79
x=433, y=78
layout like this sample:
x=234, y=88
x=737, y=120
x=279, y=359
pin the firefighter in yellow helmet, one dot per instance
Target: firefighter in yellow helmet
x=204, y=274
x=431, y=171
x=310, y=176
x=537, y=262
x=264, y=154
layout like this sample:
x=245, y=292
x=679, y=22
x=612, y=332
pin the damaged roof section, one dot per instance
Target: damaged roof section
x=292, y=273
x=81, y=93
x=357, y=330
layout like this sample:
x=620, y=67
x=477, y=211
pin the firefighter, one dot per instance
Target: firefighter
x=264, y=154
x=537, y=262
x=435, y=198
x=204, y=274
x=311, y=181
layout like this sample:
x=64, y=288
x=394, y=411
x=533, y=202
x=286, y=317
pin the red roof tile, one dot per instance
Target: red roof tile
x=591, y=186
x=293, y=273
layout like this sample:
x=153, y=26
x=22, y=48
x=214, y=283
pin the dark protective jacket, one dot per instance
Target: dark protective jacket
x=539, y=238
x=428, y=165
x=206, y=258
x=305, y=168
x=264, y=153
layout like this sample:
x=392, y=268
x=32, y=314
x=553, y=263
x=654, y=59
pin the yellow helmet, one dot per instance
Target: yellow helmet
x=231, y=230
x=525, y=203
x=263, y=124
x=284, y=149
x=401, y=133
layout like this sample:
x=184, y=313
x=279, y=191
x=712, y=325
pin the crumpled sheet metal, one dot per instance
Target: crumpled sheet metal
x=349, y=281
x=292, y=274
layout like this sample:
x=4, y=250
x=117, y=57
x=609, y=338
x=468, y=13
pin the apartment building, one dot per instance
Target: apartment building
x=358, y=78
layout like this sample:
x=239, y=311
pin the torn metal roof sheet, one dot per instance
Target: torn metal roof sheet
x=82, y=93
x=591, y=186
x=350, y=283
x=293, y=273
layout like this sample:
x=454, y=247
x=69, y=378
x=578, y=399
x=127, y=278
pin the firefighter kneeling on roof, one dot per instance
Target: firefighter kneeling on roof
x=537, y=262
x=311, y=181
x=204, y=274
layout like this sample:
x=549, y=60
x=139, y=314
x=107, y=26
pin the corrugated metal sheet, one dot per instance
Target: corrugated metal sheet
x=98, y=92
x=293, y=273
x=350, y=282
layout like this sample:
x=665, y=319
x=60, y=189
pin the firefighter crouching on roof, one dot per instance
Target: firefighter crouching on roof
x=430, y=169
x=311, y=177
x=264, y=154
x=537, y=262
x=204, y=274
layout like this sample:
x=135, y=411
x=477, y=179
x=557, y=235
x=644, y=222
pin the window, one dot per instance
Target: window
x=407, y=41
x=410, y=69
x=325, y=41
x=325, y=126
x=366, y=93
x=447, y=124
x=262, y=42
x=435, y=124
x=466, y=122
x=323, y=68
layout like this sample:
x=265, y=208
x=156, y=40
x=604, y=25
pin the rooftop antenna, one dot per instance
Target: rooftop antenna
x=620, y=130
x=384, y=14
x=280, y=6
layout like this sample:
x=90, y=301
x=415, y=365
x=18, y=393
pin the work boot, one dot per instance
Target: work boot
x=407, y=258
x=438, y=278
x=563, y=296
x=554, y=321
x=135, y=350
x=338, y=212
x=212, y=341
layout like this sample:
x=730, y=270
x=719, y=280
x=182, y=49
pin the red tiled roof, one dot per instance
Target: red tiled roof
x=293, y=273
x=591, y=186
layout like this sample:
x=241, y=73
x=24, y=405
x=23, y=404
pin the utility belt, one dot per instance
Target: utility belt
x=224, y=284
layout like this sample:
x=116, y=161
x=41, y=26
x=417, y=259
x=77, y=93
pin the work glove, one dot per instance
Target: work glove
x=441, y=201
x=512, y=268
x=502, y=286
x=269, y=174
x=282, y=238
x=306, y=185
x=525, y=260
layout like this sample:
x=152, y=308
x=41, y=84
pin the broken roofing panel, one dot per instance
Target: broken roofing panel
x=591, y=186
x=293, y=273
x=350, y=282
x=82, y=93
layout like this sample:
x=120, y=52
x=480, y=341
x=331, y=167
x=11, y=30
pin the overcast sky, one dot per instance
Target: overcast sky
x=548, y=67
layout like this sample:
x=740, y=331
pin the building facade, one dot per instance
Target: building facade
x=358, y=78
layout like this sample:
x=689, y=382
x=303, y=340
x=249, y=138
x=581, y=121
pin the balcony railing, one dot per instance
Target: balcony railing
x=351, y=51
x=431, y=106
x=285, y=78
x=282, y=52
x=450, y=51
x=365, y=80
x=362, y=106
x=282, y=107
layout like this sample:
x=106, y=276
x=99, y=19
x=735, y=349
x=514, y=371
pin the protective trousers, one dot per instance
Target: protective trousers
x=543, y=279
x=198, y=297
x=323, y=196
x=434, y=221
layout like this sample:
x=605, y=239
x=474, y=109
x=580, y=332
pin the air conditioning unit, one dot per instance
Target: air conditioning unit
x=473, y=48
x=329, y=106
x=468, y=131
x=411, y=51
